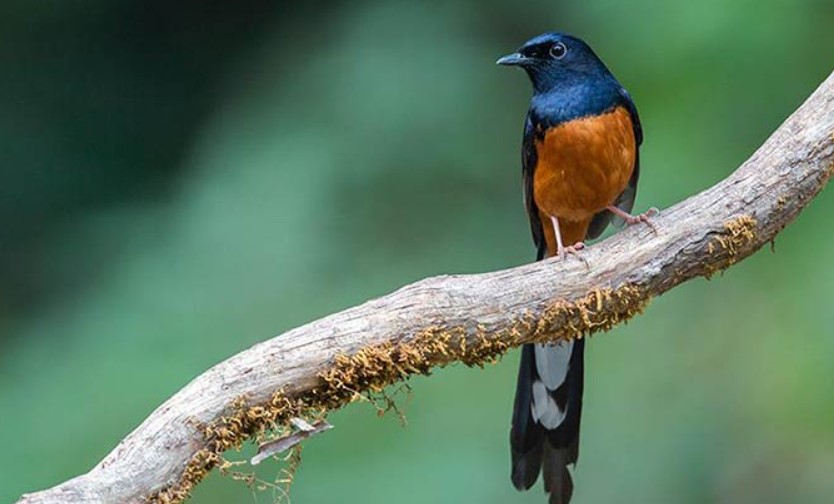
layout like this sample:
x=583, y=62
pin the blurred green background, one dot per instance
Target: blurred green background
x=179, y=180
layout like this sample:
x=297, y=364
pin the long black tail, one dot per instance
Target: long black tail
x=546, y=417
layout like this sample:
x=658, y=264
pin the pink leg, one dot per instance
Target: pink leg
x=563, y=251
x=635, y=219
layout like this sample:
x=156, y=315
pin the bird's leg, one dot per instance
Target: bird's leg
x=563, y=251
x=635, y=219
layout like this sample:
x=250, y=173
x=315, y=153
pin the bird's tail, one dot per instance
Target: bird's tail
x=546, y=416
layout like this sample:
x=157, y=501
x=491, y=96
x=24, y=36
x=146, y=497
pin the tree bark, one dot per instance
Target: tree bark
x=462, y=318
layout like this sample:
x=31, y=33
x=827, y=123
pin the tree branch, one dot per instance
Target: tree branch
x=462, y=318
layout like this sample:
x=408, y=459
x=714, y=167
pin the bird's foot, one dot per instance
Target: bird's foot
x=636, y=219
x=573, y=250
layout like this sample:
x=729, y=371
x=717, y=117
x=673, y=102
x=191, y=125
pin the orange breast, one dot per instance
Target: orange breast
x=582, y=166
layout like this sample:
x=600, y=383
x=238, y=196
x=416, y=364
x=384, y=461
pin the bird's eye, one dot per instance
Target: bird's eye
x=558, y=50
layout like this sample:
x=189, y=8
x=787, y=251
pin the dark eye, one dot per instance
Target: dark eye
x=558, y=50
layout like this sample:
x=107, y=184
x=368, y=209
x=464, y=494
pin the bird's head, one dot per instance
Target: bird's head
x=556, y=59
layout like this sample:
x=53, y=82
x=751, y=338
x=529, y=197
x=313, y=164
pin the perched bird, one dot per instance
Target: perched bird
x=580, y=166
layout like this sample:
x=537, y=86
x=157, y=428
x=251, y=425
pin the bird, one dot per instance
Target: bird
x=580, y=167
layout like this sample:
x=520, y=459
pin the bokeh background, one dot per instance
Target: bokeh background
x=179, y=180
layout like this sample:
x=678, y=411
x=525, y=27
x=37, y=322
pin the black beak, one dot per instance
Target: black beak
x=514, y=59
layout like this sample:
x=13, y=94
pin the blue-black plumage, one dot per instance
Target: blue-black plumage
x=580, y=163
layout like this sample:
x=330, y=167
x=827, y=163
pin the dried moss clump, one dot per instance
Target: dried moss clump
x=373, y=368
x=600, y=310
x=229, y=432
x=738, y=234
x=736, y=238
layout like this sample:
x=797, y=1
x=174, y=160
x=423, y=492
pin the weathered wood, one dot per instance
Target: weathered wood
x=465, y=318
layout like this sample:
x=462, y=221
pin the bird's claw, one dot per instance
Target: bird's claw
x=644, y=218
x=573, y=250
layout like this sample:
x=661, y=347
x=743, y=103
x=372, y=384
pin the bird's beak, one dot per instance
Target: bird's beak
x=514, y=59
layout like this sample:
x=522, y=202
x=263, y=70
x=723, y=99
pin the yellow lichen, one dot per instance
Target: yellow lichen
x=781, y=201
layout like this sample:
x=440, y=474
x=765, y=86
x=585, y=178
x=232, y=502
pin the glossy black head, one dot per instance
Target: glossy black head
x=555, y=59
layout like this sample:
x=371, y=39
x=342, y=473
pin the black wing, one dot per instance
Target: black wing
x=625, y=200
x=528, y=166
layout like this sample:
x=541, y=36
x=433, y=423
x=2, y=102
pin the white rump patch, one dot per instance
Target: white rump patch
x=552, y=363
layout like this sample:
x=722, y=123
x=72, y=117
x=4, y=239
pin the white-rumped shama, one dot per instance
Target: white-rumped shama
x=580, y=165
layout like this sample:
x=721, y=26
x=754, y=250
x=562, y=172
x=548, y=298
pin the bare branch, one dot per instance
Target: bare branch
x=462, y=318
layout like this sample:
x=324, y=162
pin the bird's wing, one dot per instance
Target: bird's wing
x=528, y=167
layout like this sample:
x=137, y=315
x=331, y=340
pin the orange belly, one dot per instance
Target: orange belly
x=582, y=166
